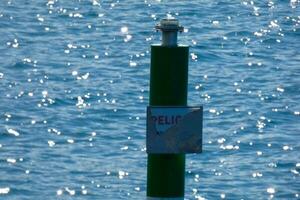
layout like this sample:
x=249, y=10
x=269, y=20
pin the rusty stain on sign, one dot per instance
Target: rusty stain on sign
x=173, y=130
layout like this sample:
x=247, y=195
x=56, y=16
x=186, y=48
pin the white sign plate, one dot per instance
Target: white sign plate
x=172, y=130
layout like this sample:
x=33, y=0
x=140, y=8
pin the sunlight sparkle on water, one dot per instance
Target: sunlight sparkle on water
x=271, y=190
x=124, y=29
x=132, y=64
x=122, y=174
x=70, y=191
x=12, y=132
x=4, y=190
x=71, y=141
x=279, y=89
x=59, y=192
x=51, y=143
x=11, y=160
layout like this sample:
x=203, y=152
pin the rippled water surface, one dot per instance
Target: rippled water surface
x=74, y=84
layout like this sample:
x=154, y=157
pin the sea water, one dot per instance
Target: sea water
x=74, y=86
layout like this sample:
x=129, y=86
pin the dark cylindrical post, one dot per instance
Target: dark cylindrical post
x=168, y=87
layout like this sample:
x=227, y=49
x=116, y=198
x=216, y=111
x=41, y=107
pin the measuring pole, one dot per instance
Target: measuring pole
x=168, y=87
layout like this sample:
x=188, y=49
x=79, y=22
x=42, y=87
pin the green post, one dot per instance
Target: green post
x=168, y=87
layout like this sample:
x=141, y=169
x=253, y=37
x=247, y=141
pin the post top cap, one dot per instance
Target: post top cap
x=169, y=24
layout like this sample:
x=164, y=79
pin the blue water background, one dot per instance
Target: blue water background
x=74, y=85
